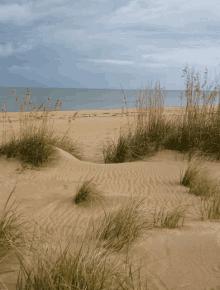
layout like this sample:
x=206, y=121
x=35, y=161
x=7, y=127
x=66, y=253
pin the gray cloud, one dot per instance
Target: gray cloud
x=102, y=44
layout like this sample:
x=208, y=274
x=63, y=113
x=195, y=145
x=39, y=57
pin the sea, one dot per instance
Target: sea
x=81, y=99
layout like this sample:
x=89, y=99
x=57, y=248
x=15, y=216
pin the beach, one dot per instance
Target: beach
x=185, y=257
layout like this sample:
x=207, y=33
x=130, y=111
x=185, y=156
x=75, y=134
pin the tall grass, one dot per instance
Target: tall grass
x=198, y=128
x=145, y=134
x=198, y=179
x=12, y=229
x=36, y=142
x=201, y=184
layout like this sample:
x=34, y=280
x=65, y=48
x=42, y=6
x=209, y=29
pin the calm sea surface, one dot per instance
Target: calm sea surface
x=80, y=99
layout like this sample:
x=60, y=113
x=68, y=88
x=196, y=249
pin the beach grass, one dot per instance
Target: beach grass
x=196, y=128
x=88, y=193
x=210, y=208
x=144, y=134
x=169, y=218
x=119, y=228
x=198, y=178
x=36, y=142
x=12, y=228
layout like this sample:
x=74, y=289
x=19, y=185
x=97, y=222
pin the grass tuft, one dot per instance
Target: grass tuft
x=119, y=228
x=198, y=179
x=169, y=218
x=210, y=208
x=88, y=193
x=11, y=228
x=142, y=138
x=117, y=153
x=35, y=143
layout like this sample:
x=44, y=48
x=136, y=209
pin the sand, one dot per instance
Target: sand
x=186, y=257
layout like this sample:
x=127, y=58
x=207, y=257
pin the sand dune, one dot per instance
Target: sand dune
x=187, y=257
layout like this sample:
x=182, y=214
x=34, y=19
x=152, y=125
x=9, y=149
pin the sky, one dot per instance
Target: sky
x=102, y=44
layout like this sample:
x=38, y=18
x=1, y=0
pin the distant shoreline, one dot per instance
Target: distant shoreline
x=168, y=111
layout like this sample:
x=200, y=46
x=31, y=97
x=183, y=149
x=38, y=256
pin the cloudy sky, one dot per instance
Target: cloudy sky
x=103, y=44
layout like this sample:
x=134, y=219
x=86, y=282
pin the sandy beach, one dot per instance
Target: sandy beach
x=186, y=257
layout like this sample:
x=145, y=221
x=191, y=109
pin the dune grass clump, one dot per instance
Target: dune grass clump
x=210, y=208
x=88, y=193
x=194, y=171
x=198, y=179
x=119, y=152
x=144, y=136
x=11, y=228
x=119, y=228
x=169, y=218
x=196, y=128
x=67, y=144
x=35, y=143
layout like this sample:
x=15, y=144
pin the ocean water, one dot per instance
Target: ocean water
x=80, y=99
